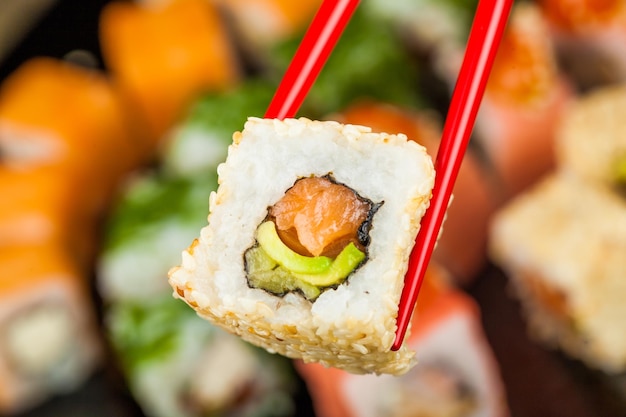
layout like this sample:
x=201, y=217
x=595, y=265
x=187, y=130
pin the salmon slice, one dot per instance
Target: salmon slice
x=323, y=215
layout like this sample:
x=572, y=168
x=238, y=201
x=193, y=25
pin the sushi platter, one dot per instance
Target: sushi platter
x=152, y=263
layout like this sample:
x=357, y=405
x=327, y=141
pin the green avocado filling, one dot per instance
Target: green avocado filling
x=268, y=238
x=274, y=267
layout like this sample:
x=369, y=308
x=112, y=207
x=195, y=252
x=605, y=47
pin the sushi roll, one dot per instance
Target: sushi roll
x=49, y=343
x=525, y=98
x=163, y=54
x=590, y=141
x=41, y=207
x=154, y=217
x=563, y=243
x=177, y=364
x=456, y=374
x=308, y=240
x=91, y=134
x=200, y=141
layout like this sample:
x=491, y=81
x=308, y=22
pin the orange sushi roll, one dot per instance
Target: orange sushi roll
x=163, y=54
x=48, y=333
x=456, y=373
x=46, y=205
x=462, y=244
x=55, y=113
x=524, y=100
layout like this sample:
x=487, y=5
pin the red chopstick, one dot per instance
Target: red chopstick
x=484, y=38
x=315, y=48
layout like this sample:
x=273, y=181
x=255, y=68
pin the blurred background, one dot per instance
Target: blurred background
x=114, y=116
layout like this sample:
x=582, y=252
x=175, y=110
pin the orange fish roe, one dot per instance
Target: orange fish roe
x=524, y=69
x=319, y=216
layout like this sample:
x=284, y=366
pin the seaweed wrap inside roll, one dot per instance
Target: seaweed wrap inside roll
x=308, y=241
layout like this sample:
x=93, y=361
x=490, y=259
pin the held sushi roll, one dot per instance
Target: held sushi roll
x=308, y=240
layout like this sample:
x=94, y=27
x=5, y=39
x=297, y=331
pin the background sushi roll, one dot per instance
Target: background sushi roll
x=154, y=216
x=49, y=339
x=162, y=55
x=590, y=142
x=562, y=244
x=199, y=142
x=43, y=209
x=175, y=363
x=525, y=98
x=91, y=136
x=66, y=142
x=456, y=374
x=351, y=326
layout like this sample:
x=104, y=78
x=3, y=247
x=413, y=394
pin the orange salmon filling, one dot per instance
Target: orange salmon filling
x=319, y=217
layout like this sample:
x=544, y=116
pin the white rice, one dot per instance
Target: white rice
x=351, y=327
